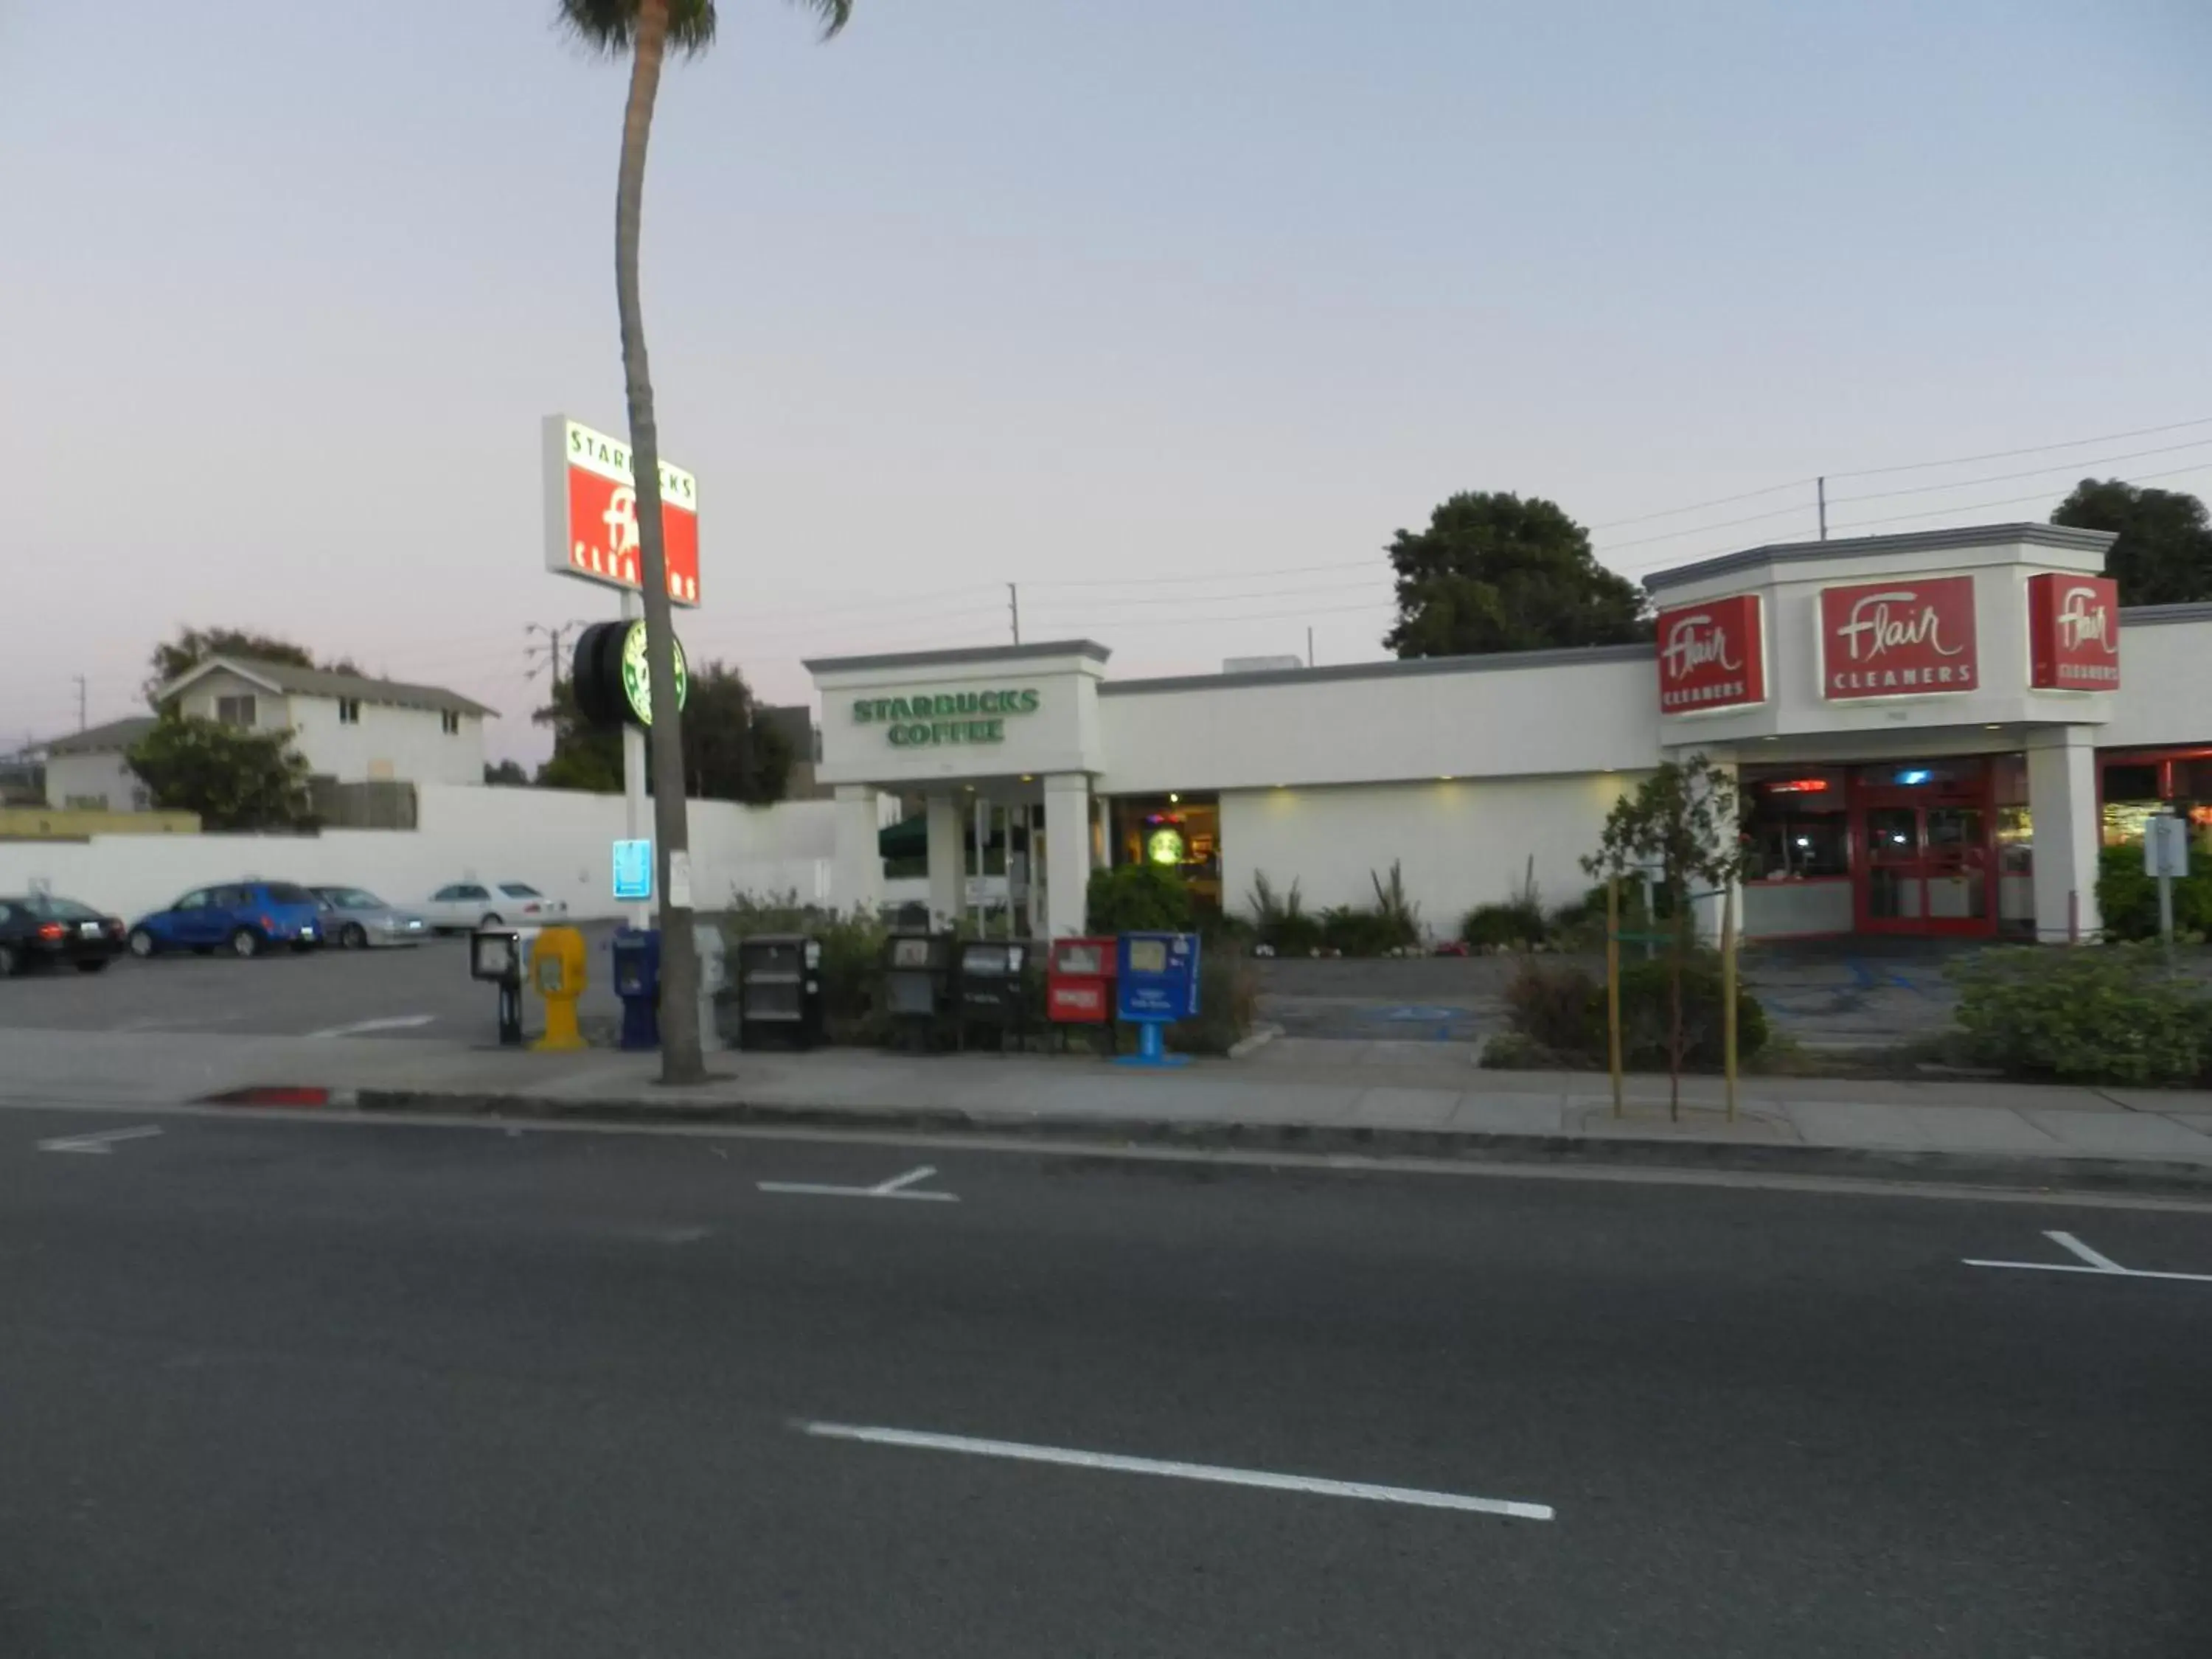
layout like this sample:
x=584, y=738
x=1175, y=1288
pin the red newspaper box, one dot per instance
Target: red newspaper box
x=1079, y=985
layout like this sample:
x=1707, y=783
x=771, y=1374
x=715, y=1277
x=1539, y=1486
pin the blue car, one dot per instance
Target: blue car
x=246, y=919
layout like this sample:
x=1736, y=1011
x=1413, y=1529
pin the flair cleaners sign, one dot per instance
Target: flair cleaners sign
x=2073, y=633
x=1712, y=656
x=1912, y=637
x=929, y=718
x=591, y=513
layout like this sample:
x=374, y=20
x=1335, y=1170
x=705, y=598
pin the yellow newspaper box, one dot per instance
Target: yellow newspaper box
x=557, y=970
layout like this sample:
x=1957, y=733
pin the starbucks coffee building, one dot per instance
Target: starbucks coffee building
x=1933, y=734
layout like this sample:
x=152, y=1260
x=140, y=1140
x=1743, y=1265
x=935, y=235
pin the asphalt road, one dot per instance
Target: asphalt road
x=269, y=1387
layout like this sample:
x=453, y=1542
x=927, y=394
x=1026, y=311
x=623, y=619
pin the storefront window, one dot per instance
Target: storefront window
x=1176, y=832
x=1796, y=825
x=2136, y=786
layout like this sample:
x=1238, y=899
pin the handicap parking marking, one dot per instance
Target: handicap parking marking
x=2088, y=1260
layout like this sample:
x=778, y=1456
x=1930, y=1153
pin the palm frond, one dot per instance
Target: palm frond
x=834, y=14
x=610, y=26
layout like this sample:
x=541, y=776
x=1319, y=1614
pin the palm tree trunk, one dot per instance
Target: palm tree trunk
x=681, y=1060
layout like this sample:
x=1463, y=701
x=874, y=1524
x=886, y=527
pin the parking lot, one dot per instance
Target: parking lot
x=417, y=991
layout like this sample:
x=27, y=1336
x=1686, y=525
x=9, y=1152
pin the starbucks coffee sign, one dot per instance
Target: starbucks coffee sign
x=612, y=677
x=925, y=719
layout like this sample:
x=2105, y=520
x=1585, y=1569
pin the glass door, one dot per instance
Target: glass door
x=1924, y=866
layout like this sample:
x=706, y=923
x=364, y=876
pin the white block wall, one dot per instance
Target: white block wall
x=559, y=842
x=1459, y=844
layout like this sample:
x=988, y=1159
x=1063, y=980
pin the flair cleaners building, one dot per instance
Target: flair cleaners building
x=1935, y=734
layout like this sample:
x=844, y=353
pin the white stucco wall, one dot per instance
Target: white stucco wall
x=388, y=742
x=1458, y=844
x=1394, y=723
x=2165, y=684
x=200, y=698
x=559, y=842
x=77, y=779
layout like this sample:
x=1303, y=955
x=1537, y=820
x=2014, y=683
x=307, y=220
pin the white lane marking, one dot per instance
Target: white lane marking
x=1114, y=1463
x=920, y=1172
x=2067, y=1242
x=899, y=1186
x=362, y=1027
x=2093, y=1263
x=100, y=1144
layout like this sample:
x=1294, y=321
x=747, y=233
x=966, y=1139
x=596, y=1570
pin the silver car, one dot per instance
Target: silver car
x=356, y=918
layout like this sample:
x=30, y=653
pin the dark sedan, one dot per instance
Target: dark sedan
x=41, y=931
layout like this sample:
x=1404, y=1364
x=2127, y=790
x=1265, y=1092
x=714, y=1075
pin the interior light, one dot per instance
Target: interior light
x=1028, y=777
x=1915, y=774
x=1173, y=797
x=1804, y=840
x=1443, y=777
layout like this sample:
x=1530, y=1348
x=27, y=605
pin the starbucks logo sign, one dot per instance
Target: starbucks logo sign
x=612, y=678
x=637, y=675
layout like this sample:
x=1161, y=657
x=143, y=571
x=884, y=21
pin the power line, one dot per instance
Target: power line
x=2034, y=449
x=2033, y=471
x=2014, y=501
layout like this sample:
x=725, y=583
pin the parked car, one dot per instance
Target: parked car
x=41, y=931
x=487, y=904
x=245, y=918
x=356, y=918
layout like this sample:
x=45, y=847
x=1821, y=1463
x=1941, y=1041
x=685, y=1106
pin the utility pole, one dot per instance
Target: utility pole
x=1822, y=484
x=556, y=649
x=1309, y=645
x=80, y=703
x=1014, y=608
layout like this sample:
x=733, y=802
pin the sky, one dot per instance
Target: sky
x=1170, y=314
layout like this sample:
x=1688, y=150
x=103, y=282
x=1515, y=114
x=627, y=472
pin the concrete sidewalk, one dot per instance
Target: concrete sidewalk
x=1404, y=1099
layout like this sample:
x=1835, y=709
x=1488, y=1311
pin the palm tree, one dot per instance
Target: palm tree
x=645, y=29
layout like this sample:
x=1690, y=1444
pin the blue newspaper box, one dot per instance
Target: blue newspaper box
x=1157, y=986
x=637, y=982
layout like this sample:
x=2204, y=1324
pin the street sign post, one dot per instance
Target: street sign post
x=2166, y=856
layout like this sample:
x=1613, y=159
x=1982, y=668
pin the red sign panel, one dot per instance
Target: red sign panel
x=1910, y=637
x=1712, y=656
x=2074, y=633
x=591, y=513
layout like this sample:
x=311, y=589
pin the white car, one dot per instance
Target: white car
x=487, y=903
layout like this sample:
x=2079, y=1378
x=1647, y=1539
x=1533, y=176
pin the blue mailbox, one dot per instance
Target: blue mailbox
x=1157, y=986
x=637, y=982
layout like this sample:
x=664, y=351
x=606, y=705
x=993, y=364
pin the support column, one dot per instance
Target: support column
x=1067, y=851
x=2062, y=805
x=947, y=860
x=859, y=856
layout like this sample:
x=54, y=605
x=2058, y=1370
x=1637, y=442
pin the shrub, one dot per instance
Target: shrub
x=1399, y=917
x=1280, y=920
x=1137, y=898
x=1357, y=932
x=1228, y=1000
x=2128, y=899
x=2089, y=1015
x=1513, y=925
x=851, y=955
x=1561, y=1009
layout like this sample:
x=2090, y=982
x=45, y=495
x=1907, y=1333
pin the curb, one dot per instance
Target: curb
x=1260, y=1038
x=1971, y=1169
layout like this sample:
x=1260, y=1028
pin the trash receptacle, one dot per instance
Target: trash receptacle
x=778, y=990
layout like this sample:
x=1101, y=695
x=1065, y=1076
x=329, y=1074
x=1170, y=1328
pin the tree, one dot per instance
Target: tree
x=505, y=773
x=645, y=29
x=729, y=752
x=2164, y=554
x=233, y=778
x=194, y=646
x=585, y=756
x=1685, y=822
x=1495, y=573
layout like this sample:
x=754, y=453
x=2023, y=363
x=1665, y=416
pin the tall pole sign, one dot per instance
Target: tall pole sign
x=591, y=535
